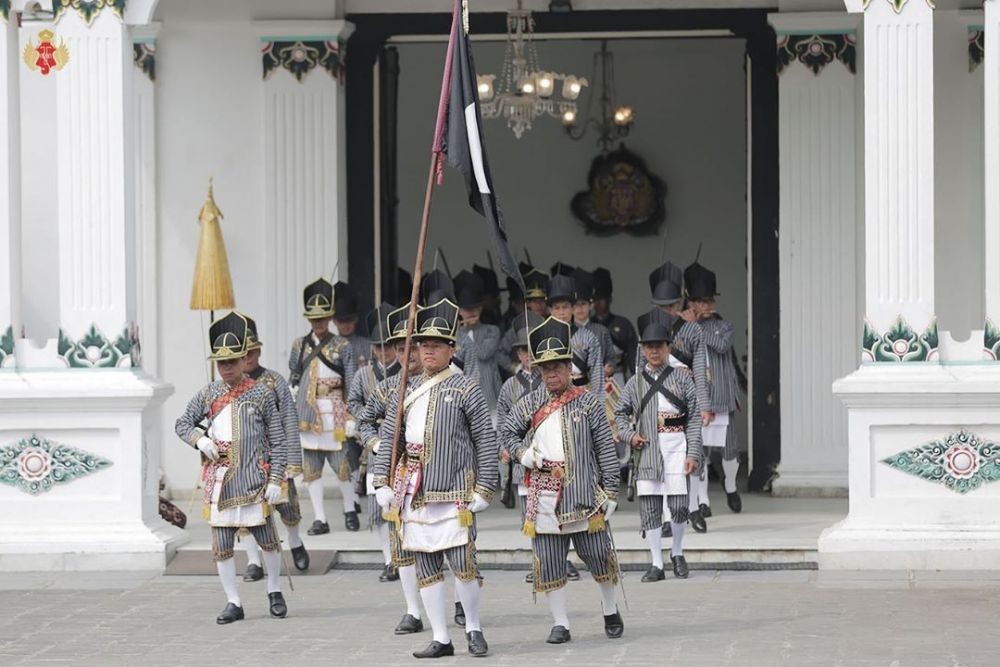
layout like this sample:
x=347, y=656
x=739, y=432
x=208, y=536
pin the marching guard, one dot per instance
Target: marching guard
x=560, y=434
x=476, y=348
x=322, y=367
x=586, y=361
x=447, y=472
x=658, y=417
x=234, y=422
x=622, y=332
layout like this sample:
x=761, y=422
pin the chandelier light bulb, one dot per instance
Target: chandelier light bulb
x=623, y=116
x=569, y=118
x=527, y=88
x=546, y=84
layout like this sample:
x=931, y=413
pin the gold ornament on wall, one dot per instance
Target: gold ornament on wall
x=46, y=57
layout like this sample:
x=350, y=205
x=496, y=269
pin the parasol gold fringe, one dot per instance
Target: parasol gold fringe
x=213, y=286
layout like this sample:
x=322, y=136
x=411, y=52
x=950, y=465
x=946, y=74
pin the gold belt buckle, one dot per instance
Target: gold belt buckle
x=323, y=390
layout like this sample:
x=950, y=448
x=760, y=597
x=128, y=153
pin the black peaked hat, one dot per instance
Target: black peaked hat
x=666, y=271
x=561, y=269
x=602, y=283
x=550, y=341
x=514, y=292
x=654, y=327
x=378, y=331
x=345, y=301
x=469, y=290
x=700, y=282
x=318, y=299
x=227, y=337
x=439, y=320
x=404, y=285
x=436, y=281
x=522, y=326
x=562, y=288
x=491, y=286
x=584, y=283
x=253, y=338
x=395, y=323
x=536, y=284
x=666, y=292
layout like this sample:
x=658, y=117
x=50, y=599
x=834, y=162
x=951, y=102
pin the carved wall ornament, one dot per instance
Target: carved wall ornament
x=817, y=51
x=961, y=462
x=299, y=58
x=36, y=464
x=900, y=343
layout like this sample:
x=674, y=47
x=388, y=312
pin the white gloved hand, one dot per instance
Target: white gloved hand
x=383, y=496
x=609, y=508
x=208, y=447
x=272, y=493
x=351, y=428
x=295, y=392
x=478, y=503
x=528, y=458
x=378, y=443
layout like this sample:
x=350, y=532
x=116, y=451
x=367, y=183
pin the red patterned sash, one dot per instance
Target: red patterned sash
x=543, y=412
x=549, y=478
x=242, y=387
x=209, y=468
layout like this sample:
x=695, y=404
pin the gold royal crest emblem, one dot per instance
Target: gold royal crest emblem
x=46, y=56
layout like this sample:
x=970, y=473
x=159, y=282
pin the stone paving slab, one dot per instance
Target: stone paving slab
x=741, y=619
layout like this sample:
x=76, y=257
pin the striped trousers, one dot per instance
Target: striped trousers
x=461, y=560
x=290, y=512
x=651, y=511
x=400, y=556
x=313, y=460
x=551, y=551
x=224, y=539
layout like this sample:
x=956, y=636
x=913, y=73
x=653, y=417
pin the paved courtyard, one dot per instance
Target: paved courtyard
x=795, y=618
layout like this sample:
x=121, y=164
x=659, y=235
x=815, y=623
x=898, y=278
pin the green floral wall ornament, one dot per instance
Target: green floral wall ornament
x=962, y=462
x=36, y=464
x=900, y=343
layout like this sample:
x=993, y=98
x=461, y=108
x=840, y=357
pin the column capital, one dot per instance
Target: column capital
x=301, y=46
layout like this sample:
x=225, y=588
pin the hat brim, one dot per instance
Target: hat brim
x=666, y=302
x=561, y=359
x=421, y=337
x=314, y=315
x=228, y=356
x=656, y=339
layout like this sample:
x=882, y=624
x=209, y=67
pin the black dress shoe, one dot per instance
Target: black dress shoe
x=409, y=625
x=614, y=626
x=477, y=644
x=318, y=528
x=559, y=635
x=706, y=510
x=459, y=615
x=667, y=531
x=571, y=572
x=530, y=577
x=254, y=573
x=436, y=650
x=389, y=573
x=277, y=604
x=351, y=521
x=653, y=574
x=680, y=567
x=229, y=614
x=735, y=502
x=300, y=557
x=698, y=522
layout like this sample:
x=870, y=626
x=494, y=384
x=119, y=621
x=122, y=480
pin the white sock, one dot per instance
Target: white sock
x=227, y=573
x=655, y=539
x=383, y=538
x=408, y=580
x=347, y=494
x=468, y=593
x=703, y=488
x=558, y=600
x=252, y=548
x=272, y=566
x=433, y=597
x=608, y=603
x=676, y=545
x=316, y=496
x=294, y=539
x=731, y=469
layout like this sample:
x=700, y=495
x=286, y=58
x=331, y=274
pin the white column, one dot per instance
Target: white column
x=10, y=189
x=303, y=124
x=899, y=181
x=991, y=174
x=818, y=209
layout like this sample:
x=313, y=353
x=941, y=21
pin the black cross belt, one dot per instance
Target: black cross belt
x=656, y=386
x=584, y=378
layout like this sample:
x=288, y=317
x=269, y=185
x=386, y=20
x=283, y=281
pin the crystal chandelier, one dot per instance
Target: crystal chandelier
x=615, y=120
x=525, y=91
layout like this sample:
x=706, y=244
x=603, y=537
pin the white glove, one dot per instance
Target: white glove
x=351, y=428
x=478, y=503
x=272, y=493
x=609, y=509
x=528, y=458
x=208, y=447
x=378, y=443
x=295, y=392
x=383, y=496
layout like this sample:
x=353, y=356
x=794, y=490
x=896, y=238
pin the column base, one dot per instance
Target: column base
x=921, y=440
x=799, y=484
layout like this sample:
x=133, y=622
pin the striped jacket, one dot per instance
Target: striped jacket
x=371, y=387
x=592, y=469
x=680, y=383
x=478, y=355
x=723, y=388
x=586, y=346
x=460, y=448
x=289, y=417
x=624, y=338
x=690, y=341
x=258, y=438
x=361, y=346
x=512, y=391
x=608, y=352
x=506, y=359
x=337, y=350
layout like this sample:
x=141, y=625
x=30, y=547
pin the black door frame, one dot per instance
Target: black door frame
x=373, y=31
